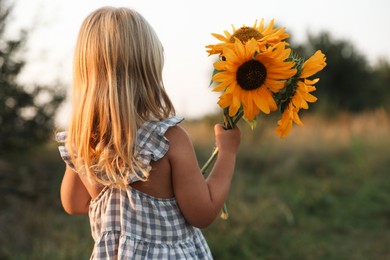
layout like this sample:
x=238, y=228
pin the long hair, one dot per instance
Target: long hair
x=117, y=86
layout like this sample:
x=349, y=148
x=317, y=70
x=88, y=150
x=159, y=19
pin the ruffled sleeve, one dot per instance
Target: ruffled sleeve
x=151, y=142
x=61, y=138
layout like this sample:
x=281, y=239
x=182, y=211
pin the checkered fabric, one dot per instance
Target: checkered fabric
x=61, y=138
x=129, y=224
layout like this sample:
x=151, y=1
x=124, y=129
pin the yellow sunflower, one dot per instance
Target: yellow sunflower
x=302, y=94
x=263, y=35
x=248, y=77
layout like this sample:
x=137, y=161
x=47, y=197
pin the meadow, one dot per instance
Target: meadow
x=321, y=193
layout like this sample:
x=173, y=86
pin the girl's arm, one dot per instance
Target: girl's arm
x=201, y=200
x=77, y=192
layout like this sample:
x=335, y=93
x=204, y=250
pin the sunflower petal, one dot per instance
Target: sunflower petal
x=225, y=100
x=221, y=76
x=313, y=65
x=235, y=106
x=220, y=65
x=228, y=35
x=303, y=90
x=220, y=37
x=251, y=47
x=233, y=88
x=239, y=48
x=311, y=82
x=274, y=85
x=284, y=124
x=249, y=107
x=221, y=87
x=264, y=100
x=296, y=118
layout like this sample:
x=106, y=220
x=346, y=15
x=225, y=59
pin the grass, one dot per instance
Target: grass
x=321, y=193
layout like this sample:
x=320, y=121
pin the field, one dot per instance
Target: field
x=321, y=193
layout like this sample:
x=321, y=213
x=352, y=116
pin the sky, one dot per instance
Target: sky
x=184, y=28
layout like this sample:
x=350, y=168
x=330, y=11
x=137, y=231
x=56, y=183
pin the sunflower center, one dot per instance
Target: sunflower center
x=251, y=75
x=246, y=33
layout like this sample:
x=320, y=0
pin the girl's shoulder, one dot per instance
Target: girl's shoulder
x=176, y=134
x=179, y=140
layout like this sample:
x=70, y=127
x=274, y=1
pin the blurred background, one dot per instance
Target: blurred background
x=321, y=193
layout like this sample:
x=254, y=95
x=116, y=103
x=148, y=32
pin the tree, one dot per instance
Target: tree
x=381, y=82
x=26, y=116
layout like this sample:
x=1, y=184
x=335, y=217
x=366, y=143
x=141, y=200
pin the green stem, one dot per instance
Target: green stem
x=209, y=161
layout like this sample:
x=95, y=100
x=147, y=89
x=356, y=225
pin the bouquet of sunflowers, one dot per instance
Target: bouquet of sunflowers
x=258, y=72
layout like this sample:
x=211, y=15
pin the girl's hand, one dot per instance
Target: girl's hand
x=227, y=141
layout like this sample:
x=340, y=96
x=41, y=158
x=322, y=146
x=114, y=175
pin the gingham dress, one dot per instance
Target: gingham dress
x=129, y=224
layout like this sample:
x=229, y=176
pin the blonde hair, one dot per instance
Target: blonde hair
x=117, y=86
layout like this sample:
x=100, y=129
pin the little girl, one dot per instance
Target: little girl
x=129, y=164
